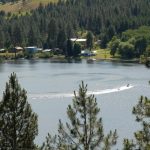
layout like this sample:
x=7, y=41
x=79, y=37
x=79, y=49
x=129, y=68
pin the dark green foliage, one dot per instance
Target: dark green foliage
x=18, y=124
x=16, y=36
x=69, y=48
x=103, y=18
x=85, y=129
x=142, y=137
x=140, y=45
x=113, y=45
x=90, y=40
x=126, y=50
x=131, y=43
x=76, y=49
x=52, y=34
x=61, y=39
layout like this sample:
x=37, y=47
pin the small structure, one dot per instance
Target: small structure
x=39, y=49
x=46, y=50
x=2, y=50
x=77, y=40
x=31, y=49
x=18, y=49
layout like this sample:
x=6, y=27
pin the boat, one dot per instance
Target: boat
x=91, y=60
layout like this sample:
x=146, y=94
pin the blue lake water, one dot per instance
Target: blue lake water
x=50, y=89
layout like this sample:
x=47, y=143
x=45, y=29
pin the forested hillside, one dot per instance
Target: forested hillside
x=49, y=26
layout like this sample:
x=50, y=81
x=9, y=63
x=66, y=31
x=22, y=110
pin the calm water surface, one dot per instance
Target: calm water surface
x=50, y=87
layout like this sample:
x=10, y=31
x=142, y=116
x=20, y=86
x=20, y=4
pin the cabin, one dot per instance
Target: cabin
x=18, y=49
x=46, y=50
x=2, y=50
x=79, y=40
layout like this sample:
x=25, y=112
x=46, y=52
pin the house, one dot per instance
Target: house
x=77, y=40
x=18, y=49
x=46, y=50
x=2, y=50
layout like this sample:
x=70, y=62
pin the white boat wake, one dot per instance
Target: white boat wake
x=65, y=95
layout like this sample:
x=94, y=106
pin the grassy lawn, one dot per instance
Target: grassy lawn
x=20, y=7
x=103, y=54
x=7, y=55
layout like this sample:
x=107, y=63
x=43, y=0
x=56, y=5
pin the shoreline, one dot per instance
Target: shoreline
x=71, y=60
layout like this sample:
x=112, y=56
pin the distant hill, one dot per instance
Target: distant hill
x=50, y=26
x=15, y=6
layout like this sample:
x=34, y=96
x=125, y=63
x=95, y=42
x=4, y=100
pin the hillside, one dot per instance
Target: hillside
x=51, y=26
x=21, y=6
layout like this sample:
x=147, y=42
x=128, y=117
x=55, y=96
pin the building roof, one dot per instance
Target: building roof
x=78, y=40
x=47, y=50
x=31, y=47
x=2, y=49
x=18, y=48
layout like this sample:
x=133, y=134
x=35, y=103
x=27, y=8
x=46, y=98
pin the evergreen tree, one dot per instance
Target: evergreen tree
x=2, y=39
x=140, y=45
x=69, y=48
x=90, y=40
x=61, y=38
x=16, y=35
x=32, y=36
x=52, y=34
x=85, y=130
x=142, y=137
x=18, y=124
x=76, y=49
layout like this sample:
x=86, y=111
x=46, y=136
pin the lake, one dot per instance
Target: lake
x=50, y=87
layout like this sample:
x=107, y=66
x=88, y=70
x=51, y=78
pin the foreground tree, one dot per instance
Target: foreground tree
x=18, y=124
x=85, y=131
x=142, y=137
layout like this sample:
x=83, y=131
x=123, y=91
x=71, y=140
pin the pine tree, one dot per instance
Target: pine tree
x=18, y=124
x=69, y=48
x=142, y=137
x=85, y=130
x=16, y=35
x=90, y=40
x=52, y=34
x=76, y=49
x=61, y=39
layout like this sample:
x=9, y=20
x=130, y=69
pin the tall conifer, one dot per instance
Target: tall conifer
x=18, y=124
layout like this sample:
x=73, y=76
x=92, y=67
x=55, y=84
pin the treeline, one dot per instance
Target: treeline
x=131, y=43
x=49, y=26
x=83, y=131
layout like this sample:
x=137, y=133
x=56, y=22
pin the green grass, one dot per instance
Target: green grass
x=103, y=54
x=19, y=7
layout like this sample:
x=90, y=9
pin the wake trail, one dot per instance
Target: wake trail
x=67, y=95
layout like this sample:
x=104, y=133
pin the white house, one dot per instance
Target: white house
x=77, y=40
